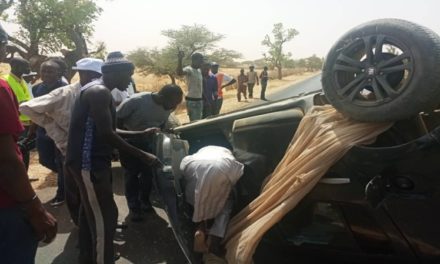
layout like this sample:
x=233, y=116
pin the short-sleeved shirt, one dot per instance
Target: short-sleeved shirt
x=221, y=79
x=241, y=80
x=209, y=89
x=252, y=77
x=140, y=112
x=194, y=82
x=9, y=125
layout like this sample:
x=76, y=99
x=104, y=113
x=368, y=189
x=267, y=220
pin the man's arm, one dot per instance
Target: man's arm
x=38, y=108
x=99, y=99
x=130, y=134
x=14, y=180
x=179, y=70
x=256, y=77
x=230, y=82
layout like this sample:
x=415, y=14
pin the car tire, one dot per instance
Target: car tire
x=398, y=81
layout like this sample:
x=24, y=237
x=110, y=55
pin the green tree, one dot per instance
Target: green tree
x=48, y=26
x=301, y=63
x=314, y=63
x=4, y=5
x=275, y=54
x=224, y=57
x=155, y=61
x=189, y=39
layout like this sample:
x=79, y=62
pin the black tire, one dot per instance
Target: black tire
x=388, y=85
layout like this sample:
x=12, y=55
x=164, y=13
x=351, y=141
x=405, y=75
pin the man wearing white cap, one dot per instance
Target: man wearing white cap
x=52, y=112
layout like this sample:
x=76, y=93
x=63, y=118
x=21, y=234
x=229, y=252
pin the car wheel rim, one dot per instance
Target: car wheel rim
x=373, y=70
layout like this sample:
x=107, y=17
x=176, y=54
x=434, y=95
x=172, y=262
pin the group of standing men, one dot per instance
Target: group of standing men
x=205, y=86
x=249, y=80
x=81, y=121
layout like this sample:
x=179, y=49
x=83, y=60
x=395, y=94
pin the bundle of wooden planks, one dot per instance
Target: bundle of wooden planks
x=322, y=138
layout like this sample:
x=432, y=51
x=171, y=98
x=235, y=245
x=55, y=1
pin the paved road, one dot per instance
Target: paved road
x=150, y=241
x=308, y=85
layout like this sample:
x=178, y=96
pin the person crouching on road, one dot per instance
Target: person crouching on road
x=92, y=137
x=140, y=112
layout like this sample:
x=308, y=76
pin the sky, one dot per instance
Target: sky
x=129, y=24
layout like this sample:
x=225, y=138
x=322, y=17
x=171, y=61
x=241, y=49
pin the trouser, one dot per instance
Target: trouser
x=18, y=244
x=59, y=161
x=209, y=109
x=218, y=105
x=221, y=221
x=73, y=198
x=195, y=109
x=241, y=90
x=46, y=150
x=263, y=89
x=51, y=158
x=251, y=90
x=138, y=177
x=24, y=149
x=98, y=216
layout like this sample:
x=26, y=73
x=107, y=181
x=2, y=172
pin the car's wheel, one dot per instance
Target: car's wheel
x=384, y=70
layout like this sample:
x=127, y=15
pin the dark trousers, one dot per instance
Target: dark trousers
x=25, y=149
x=98, y=216
x=73, y=198
x=218, y=105
x=251, y=90
x=241, y=90
x=59, y=161
x=51, y=158
x=263, y=90
x=209, y=109
x=17, y=244
x=138, y=177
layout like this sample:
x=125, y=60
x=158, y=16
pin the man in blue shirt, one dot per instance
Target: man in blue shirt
x=210, y=90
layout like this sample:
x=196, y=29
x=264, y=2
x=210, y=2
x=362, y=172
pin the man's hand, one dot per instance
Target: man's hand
x=168, y=130
x=151, y=160
x=151, y=130
x=43, y=223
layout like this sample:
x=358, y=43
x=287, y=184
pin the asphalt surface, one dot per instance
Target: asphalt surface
x=306, y=86
x=150, y=241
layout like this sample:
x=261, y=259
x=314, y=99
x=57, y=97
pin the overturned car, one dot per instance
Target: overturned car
x=376, y=204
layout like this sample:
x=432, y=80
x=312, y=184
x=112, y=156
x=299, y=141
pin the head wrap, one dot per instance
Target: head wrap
x=117, y=65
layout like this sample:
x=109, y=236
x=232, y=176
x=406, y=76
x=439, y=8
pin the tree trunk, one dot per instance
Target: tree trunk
x=280, y=72
x=173, y=79
x=80, y=51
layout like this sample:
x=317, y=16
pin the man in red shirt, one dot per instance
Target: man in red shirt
x=23, y=219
